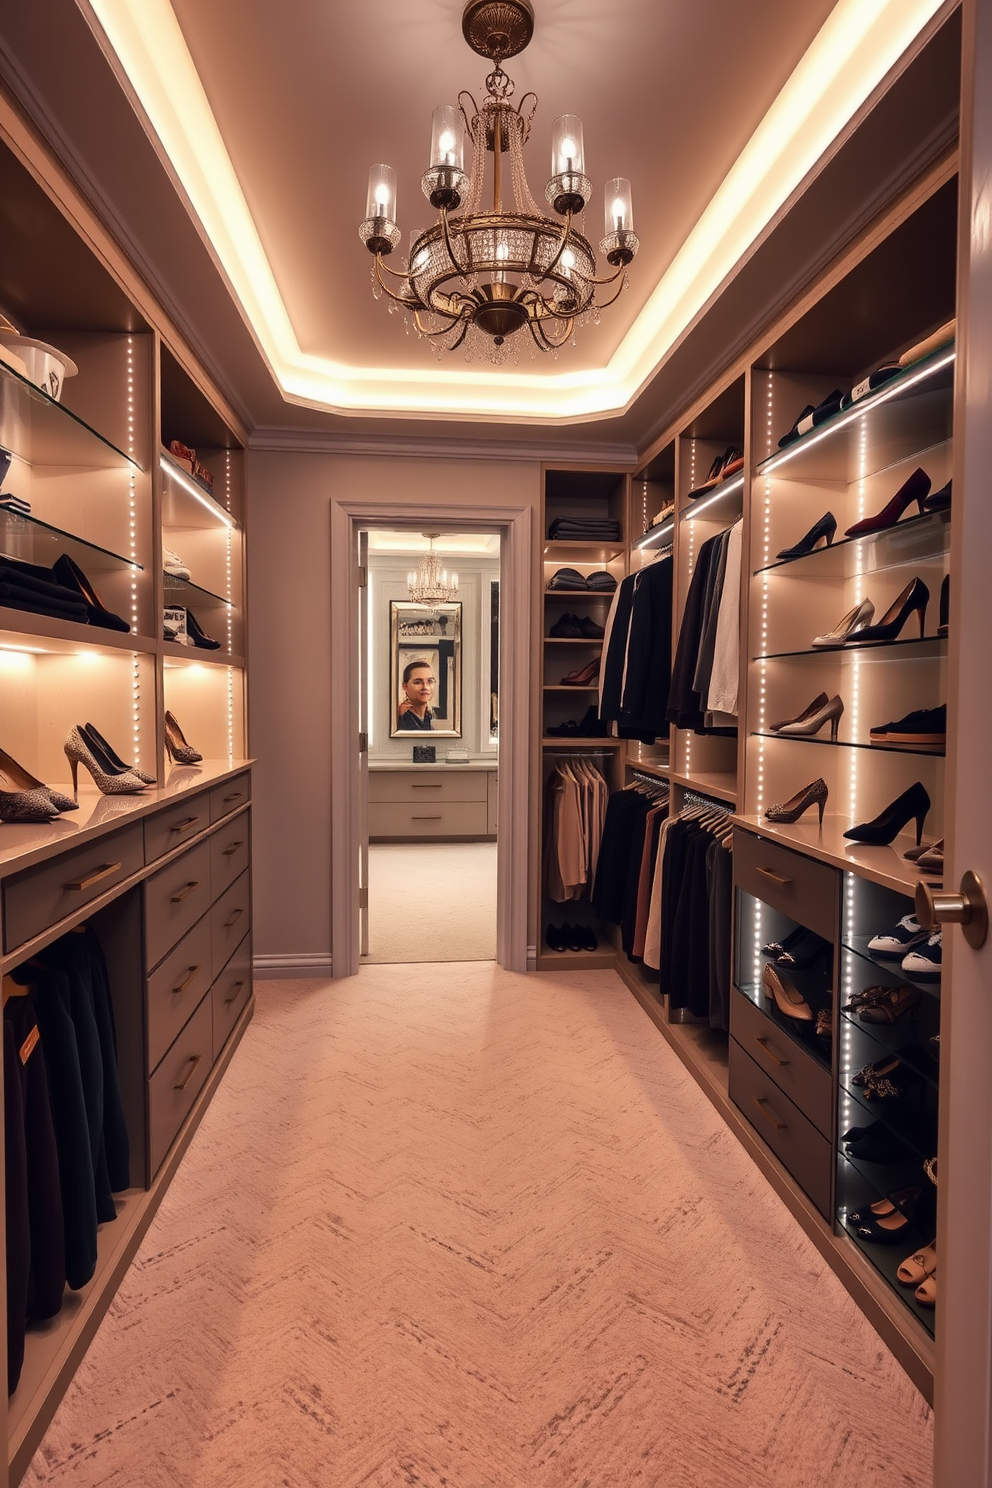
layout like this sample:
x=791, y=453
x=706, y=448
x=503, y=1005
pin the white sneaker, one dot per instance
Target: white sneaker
x=925, y=961
x=896, y=942
x=174, y=565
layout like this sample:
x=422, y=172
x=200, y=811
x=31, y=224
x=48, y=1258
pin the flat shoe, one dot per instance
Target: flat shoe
x=926, y=1292
x=916, y=1268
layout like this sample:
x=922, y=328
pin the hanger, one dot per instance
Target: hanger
x=14, y=989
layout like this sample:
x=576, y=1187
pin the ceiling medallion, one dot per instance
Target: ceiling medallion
x=430, y=584
x=478, y=277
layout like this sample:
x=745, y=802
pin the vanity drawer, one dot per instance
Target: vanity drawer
x=229, y=796
x=43, y=895
x=802, y=888
x=175, y=825
x=177, y=1082
x=229, y=853
x=175, y=898
x=427, y=787
x=428, y=819
x=794, y=1140
x=793, y=1069
x=230, y=992
x=176, y=988
x=229, y=919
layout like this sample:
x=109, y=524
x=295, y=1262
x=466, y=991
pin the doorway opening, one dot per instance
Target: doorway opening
x=430, y=706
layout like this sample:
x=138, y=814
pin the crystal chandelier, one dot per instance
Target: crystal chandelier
x=431, y=585
x=479, y=277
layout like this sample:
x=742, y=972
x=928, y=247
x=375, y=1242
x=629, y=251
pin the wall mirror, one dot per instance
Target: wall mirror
x=425, y=670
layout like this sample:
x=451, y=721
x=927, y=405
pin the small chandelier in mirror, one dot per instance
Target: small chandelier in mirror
x=431, y=585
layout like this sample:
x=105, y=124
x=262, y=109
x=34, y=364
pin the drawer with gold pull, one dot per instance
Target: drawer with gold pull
x=230, y=918
x=794, y=1140
x=42, y=896
x=175, y=988
x=176, y=824
x=175, y=898
x=230, y=796
x=230, y=992
x=229, y=853
x=805, y=889
x=177, y=1081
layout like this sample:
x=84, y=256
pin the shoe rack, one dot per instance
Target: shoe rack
x=583, y=494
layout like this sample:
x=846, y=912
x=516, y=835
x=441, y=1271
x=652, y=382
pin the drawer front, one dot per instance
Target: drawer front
x=175, y=825
x=794, y=1140
x=177, y=1082
x=176, y=987
x=493, y=802
x=794, y=1070
x=175, y=898
x=802, y=888
x=425, y=788
x=428, y=819
x=230, y=992
x=229, y=796
x=229, y=853
x=230, y=918
x=43, y=895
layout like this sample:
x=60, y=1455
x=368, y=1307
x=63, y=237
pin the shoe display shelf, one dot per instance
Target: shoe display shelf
x=580, y=494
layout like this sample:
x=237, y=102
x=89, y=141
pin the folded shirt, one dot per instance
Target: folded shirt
x=603, y=581
x=584, y=527
x=30, y=586
x=566, y=578
x=13, y=597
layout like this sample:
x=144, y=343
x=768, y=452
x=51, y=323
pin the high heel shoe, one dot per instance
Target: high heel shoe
x=199, y=637
x=945, y=605
x=818, y=702
x=175, y=743
x=71, y=576
x=110, y=779
x=825, y=527
x=816, y=792
x=90, y=734
x=850, y=627
x=806, y=727
x=25, y=799
x=885, y=827
x=915, y=596
x=582, y=677
x=778, y=988
x=916, y=488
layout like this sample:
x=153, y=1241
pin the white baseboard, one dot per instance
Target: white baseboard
x=312, y=964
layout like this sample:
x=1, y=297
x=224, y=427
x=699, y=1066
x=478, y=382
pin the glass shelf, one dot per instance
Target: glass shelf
x=911, y=413
x=850, y=744
x=908, y=1119
x=910, y=650
x=186, y=586
x=815, y=988
x=43, y=432
x=855, y=1179
x=912, y=540
x=30, y=540
x=206, y=510
x=895, y=1038
x=724, y=502
x=858, y=946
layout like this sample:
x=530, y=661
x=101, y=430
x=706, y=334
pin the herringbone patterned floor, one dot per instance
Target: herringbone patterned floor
x=447, y=1227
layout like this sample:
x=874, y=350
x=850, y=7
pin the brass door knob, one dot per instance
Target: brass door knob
x=967, y=909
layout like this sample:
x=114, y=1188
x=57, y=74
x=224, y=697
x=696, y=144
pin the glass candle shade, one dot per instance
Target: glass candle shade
x=447, y=137
x=381, y=202
x=618, y=209
x=567, y=153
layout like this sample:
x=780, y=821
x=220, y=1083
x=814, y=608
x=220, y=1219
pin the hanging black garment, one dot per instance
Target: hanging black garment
x=616, y=652
x=609, y=894
x=719, y=881
x=35, y=1240
x=689, y=930
x=445, y=654
x=687, y=706
x=643, y=711
x=115, y=1136
x=632, y=868
x=711, y=616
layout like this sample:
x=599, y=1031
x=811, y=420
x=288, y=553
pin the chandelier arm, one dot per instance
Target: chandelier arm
x=542, y=338
x=453, y=321
x=605, y=304
x=400, y=299
x=448, y=245
x=561, y=248
x=610, y=279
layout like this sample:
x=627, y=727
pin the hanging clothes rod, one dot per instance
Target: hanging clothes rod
x=694, y=798
x=646, y=779
x=578, y=753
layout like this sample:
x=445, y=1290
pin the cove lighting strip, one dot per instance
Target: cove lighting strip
x=698, y=507
x=858, y=45
x=656, y=537
x=180, y=477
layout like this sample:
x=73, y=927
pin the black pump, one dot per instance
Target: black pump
x=915, y=596
x=890, y=822
x=825, y=527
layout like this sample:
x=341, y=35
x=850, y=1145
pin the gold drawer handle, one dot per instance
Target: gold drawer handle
x=234, y=992
x=235, y=916
x=189, y=821
x=767, y=1046
x=236, y=796
x=230, y=851
x=94, y=877
x=775, y=877
x=426, y=785
x=194, y=1061
x=185, y=893
x=427, y=818
x=181, y=986
x=768, y=1113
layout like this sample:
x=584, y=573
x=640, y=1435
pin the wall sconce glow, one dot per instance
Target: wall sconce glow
x=858, y=45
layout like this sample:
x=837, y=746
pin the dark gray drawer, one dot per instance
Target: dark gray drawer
x=176, y=987
x=792, y=1068
x=229, y=796
x=794, y=1140
x=175, y=825
x=229, y=919
x=805, y=889
x=41, y=896
x=177, y=1082
x=175, y=898
x=230, y=992
x=229, y=853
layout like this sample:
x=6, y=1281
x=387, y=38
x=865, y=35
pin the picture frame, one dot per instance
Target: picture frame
x=425, y=674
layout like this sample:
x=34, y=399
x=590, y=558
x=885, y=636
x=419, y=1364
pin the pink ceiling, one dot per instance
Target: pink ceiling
x=309, y=93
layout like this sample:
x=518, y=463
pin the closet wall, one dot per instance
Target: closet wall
x=289, y=509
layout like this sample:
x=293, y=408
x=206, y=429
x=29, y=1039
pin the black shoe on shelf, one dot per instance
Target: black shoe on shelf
x=568, y=628
x=71, y=576
x=924, y=729
x=915, y=597
x=589, y=941
x=777, y=948
x=198, y=636
x=945, y=604
x=825, y=528
x=590, y=630
x=939, y=500
x=889, y=823
x=554, y=935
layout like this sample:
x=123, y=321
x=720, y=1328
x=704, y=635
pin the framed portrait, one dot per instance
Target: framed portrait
x=425, y=671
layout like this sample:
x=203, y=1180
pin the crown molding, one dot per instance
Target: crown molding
x=277, y=440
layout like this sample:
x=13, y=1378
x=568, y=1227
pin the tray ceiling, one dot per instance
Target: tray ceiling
x=716, y=111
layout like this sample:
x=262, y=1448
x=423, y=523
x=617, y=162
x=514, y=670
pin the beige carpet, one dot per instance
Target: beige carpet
x=468, y=1229
x=432, y=901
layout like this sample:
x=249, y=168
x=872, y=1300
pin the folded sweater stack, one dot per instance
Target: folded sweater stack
x=28, y=586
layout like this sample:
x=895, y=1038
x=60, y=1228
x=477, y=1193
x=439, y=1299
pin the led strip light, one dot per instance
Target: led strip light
x=133, y=551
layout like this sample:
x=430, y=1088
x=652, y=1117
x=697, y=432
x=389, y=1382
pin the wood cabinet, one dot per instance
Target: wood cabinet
x=449, y=802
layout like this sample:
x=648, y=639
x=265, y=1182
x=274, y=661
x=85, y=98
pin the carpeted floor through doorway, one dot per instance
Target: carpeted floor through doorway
x=432, y=901
x=451, y=1227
